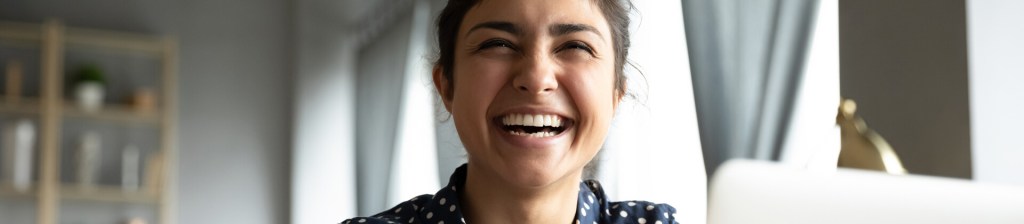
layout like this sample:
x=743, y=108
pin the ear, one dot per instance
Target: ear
x=617, y=97
x=442, y=85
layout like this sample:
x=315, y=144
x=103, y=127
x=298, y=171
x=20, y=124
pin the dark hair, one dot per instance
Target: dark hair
x=615, y=11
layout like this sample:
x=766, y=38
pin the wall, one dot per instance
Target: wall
x=234, y=100
x=905, y=63
x=382, y=66
x=996, y=48
x=323, y=156
x=235, y=111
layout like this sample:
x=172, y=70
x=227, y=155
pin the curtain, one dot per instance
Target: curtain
x=364, y=134
x=389, y=111
x=746, y=60
x=654, y=135
x=414, y=162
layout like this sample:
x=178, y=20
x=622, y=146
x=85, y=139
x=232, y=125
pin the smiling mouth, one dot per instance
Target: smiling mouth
x=534, y=125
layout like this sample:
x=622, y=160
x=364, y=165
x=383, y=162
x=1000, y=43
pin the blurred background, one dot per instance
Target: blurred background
x=313, y=111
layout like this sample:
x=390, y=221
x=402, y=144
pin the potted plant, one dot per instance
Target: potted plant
x=89, y=88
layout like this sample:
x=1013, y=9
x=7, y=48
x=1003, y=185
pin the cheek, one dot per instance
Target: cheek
x=477, y=82
x=476, y=85
x=594, y=93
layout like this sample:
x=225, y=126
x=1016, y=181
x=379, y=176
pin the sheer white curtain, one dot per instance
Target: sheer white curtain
x=364, y=128
x=748, y=59
x=396, y=144
x=653, y=151
x=813, y=141
x=414, y=164
x=323, y=159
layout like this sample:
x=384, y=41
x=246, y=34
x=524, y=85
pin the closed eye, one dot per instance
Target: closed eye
x=577, y=45
x=496, y=43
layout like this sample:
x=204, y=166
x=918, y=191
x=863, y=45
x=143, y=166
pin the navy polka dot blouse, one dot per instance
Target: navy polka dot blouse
x=592, y=204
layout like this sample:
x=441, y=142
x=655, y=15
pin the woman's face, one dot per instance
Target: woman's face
x=534, y=88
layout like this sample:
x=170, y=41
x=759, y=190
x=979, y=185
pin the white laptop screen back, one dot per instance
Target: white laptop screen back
x=744, y=192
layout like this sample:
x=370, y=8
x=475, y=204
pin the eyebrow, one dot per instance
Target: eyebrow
x=496, y=25
x=555, y=30
x=564, y=29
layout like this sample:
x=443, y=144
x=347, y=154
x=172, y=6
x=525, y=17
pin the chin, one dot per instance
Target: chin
x=536, y=174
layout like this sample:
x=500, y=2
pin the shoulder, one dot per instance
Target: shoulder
x=441, y=207
x=404, y=212
x=633, y=211
x=640, y=212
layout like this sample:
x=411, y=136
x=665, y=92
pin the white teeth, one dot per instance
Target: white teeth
x=535, y=135
x=533, y=120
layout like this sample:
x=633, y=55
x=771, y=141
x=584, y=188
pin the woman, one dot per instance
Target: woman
x=532, y=86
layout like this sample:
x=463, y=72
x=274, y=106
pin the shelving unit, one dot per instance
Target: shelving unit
x=7, y=191
x=109, y=194
x=53, y=112
x=25, y=106
x=117, y=113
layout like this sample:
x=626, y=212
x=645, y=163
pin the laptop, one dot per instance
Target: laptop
x=745, y=191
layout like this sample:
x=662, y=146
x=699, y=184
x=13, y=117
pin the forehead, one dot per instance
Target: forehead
x=534, y=15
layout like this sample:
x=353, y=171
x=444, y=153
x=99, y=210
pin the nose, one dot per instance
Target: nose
x=536, y=76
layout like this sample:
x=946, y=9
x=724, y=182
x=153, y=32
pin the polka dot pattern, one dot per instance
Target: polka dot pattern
x=593, y=199
x=592, y=206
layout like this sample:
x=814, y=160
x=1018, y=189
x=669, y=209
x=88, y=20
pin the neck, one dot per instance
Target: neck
x=489, y=199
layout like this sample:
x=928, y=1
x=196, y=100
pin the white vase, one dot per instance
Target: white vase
x=89, y=96
x=18, y=141
x=88, y=160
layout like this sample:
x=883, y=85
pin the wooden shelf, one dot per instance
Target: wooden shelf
x=112, y=40
x=107, y=194
x=7, y=191
x=29, y=35
x=114, y=112
x=20, y=33
x=28, y=106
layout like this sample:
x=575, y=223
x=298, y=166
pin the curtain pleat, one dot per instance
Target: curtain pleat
x=747, y=60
